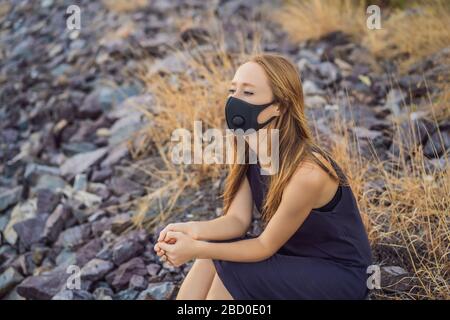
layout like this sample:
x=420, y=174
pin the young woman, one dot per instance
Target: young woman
x=313, y=246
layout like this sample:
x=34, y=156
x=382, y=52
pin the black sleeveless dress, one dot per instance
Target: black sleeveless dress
x=326, y=258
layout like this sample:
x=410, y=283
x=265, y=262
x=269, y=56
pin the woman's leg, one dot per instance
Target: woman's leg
x=218, y=290
x=198, y=280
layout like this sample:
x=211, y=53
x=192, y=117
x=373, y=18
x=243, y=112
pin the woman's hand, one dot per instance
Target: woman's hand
x=182, y=250
x=189, y=228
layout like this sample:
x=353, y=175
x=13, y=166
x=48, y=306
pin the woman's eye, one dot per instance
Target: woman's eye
x=231, y=91
x=248, y=92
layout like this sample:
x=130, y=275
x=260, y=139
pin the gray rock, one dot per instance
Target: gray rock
x=394, y=100
x=81, y=182
x=434, y=148
x=47, y=201
x=8, y=280
x=48, y=182
x=157, y=291
x=328, y=72
x=31, y=231
x=101, y=175
x=74, y=236
x=121, y=185
x=153, y=269
x=125, y=250
x=103, y=293
x=128, y=294
x=21, y=212
x=9, y=197
x=124, y=128
x=96, y=269
x=116, y=153
x=138, y=282
x=81, y=162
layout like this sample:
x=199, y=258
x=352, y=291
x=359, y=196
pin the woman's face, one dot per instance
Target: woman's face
x=251, y=84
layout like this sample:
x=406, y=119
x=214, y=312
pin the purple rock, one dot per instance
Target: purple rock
x=88, y=251
x=96, y=269
x=120, y=278
x=44, y=286
x=31, y=230
x=47, y=201
x=125, y=250
x=55, y=222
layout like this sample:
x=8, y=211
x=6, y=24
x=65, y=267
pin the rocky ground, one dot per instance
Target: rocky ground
x=66, y=184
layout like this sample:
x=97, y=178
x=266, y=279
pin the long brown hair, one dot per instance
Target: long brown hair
x=296, y=142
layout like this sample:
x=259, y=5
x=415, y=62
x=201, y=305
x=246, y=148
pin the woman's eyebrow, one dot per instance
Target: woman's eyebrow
x=243, y=83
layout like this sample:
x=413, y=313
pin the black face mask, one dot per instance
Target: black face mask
x=243, y=115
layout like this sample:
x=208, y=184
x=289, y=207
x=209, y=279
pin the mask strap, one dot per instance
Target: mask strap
x=268, y=121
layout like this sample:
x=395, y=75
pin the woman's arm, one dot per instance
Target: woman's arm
x=232, y=225
x=299, y=197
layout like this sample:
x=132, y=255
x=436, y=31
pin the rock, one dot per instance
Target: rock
x=55, y=222
x=395, y=278
x=128, y=294
x=80, y=183
x=311, y=89
x=124, y=128
x=153, y=269
x=74, y=148
x=96, y=269
x=363, y=133
x=328, y=72
x=116, y=153
x=8, y=280
x=101, y=175
x=81, y=162
x=394, y=99
x=25, y=264
x=21, y=212
x=434, y=148
x=48, y=182
x=88, y=251
x=125, y=250
x=9, y=197
x=75, y=236
x=47, y=201
x=65, y=258
x=44, y=286
x=121, y=185
x=315, y=102
x=120, y=278
x=138, y=282
x=31, y=231
x=157, y=291
x=67, y=294
x=103, y=293
x=34, y=170
x=95, y=103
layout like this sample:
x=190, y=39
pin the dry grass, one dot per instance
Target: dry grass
x=125, y=5
x=413, y=34
x=406, y=34
x=312, y=19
